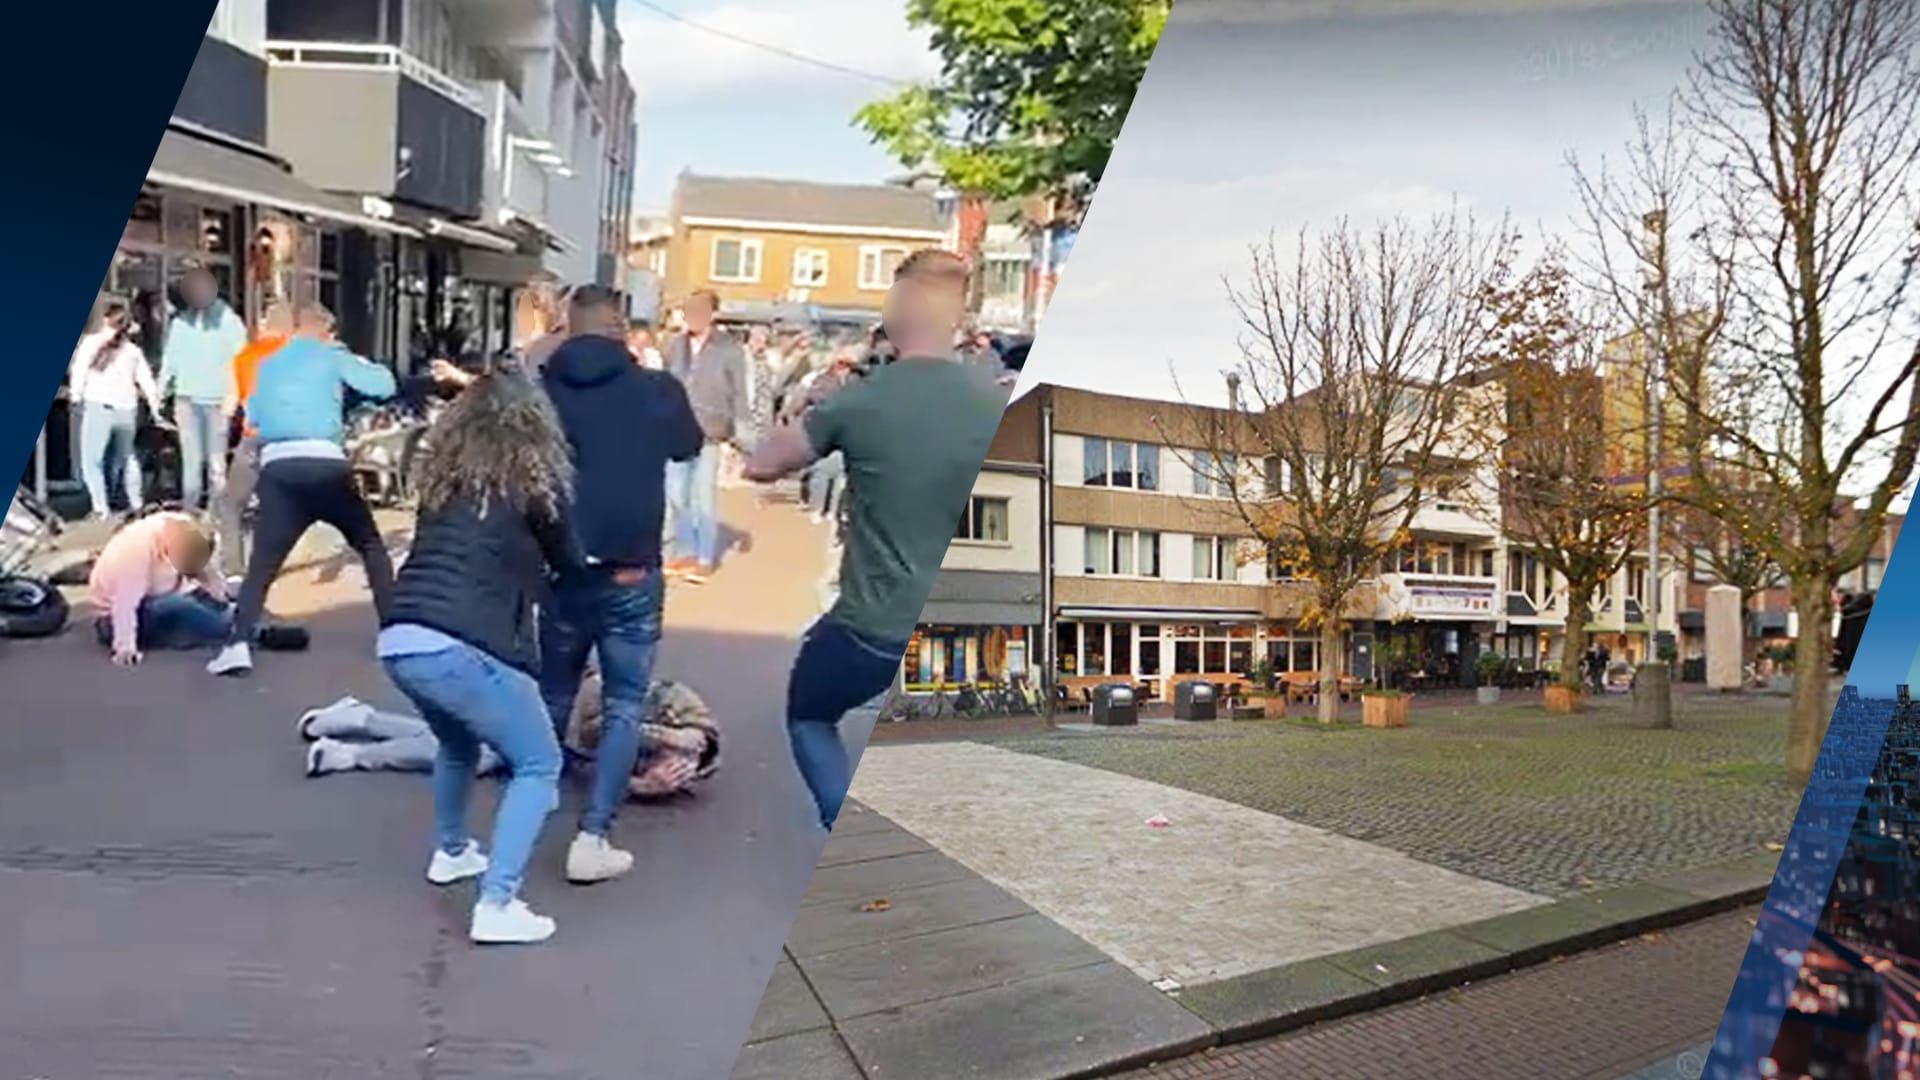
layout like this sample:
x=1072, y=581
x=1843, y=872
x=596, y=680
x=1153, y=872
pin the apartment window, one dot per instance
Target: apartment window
x=1873, y=570
x=877, y=265
x=1004, y=278
x=1213, y=474
x=1121, y=464
x=1122, y=553
x=1213, y=558
x=736, y=260
x=984, y=522
x=809, y=268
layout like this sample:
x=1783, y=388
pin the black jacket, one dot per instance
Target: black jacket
x=625, y=423
x=477, y=576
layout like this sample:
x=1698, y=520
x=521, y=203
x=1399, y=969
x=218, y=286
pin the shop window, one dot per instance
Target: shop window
x=1122, y=649
x=1067, y=643
x=144, y=222
x=1096, y=644
x=1149, y=656
x=1214, y=656
x=1186, y=658
x=1240, y=657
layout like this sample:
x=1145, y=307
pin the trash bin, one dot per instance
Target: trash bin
x=1195, y=701
x=1115, y=706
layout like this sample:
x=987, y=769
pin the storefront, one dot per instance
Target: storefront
x=1097, y=645
x=941, y=656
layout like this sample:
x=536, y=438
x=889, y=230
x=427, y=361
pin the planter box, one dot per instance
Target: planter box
x=1563, y=700
x=1486, y=695
x=1272, y=707
x=1383, y=712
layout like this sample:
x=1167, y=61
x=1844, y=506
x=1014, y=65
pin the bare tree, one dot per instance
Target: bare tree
x=1766, y=243
x=1348, y=395
x=1561, y=449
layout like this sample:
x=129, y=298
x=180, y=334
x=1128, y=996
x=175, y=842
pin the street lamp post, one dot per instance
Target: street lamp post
x=1654, y=688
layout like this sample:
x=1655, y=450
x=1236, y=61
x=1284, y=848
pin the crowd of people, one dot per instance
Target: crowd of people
x=560, y=491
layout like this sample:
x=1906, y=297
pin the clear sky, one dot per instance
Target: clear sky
x=1274, y=116
x=715, y=105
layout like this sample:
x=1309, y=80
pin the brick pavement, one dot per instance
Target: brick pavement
x=181, y=903
x=1550, y=805
x=1223, y=891
x=1597, y=1016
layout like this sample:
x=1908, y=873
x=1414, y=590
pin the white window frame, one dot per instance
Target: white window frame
x=1135, y=545
x=965, y=535
x=805, y=256
x=746, y=244
x=1223, y=561
x=871, y=258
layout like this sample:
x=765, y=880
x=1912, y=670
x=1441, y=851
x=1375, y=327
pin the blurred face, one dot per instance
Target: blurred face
x=187, y=549
x=757, y=338
x=698, y=314
x=277, y=321
x=199, y=289
x=314, y=324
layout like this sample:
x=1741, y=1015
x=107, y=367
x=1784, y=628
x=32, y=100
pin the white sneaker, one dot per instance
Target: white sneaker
x=348, y=716
x=235, y=659
x=446, y=869
x=511, y=923
x=329, y=756
x=591, y=858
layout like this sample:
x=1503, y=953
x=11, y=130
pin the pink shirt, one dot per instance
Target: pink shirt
x=132, y=568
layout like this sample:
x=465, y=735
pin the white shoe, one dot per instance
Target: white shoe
x=591, y=858
x=446, y=869
x=329, y=756
x=348, y=716
x=235, y=659
x=511, y=923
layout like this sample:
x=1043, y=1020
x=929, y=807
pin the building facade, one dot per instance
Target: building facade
x=986, y=612
x=1145, y=571
x=768, y=247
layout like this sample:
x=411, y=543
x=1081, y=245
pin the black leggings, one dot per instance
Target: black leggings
x=295, y=495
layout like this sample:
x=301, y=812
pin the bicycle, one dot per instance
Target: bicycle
x=969, y=704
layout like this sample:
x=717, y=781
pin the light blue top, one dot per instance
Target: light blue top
x=412, y=639
x=300, y=389
x=196, y=363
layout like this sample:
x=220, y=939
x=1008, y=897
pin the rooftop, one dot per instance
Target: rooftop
x=803, y=202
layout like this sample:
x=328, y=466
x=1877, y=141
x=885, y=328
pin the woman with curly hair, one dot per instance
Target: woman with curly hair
x=459, y=638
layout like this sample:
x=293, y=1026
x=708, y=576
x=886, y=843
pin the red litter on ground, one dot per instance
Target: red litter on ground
x=1158, y=821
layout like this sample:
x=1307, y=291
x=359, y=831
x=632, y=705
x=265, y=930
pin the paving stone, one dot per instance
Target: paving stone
x=827, y=928
x=857, y=882
x=815, y=1055
x=1418, y=960
x=1072, y=1023
x=1222, y=891
x=788, y=1007
x=844, y=848
x=1289, y=996
x=855, y=982
x=1549, y=805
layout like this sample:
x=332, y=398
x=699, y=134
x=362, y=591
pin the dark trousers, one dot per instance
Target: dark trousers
x=838, y=669
x=295, y=495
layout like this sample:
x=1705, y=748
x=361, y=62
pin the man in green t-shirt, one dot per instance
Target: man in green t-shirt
x=913, y=434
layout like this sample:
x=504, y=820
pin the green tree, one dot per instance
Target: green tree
x=1030, y=97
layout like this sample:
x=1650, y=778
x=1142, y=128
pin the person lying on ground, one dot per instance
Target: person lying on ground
x=155, y=586
x=680, y=743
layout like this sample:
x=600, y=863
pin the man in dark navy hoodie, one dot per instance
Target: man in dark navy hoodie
x=625, y=423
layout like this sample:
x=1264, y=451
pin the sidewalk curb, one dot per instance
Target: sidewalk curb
x=1313, y=991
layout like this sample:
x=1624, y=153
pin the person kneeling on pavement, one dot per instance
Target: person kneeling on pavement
x=680, y=743
x=155, y=586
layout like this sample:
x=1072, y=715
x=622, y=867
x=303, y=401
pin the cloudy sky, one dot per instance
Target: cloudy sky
x=713, y=104
x=1293, y=113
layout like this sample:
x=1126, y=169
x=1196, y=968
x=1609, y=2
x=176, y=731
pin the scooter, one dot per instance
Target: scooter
x=31, y=606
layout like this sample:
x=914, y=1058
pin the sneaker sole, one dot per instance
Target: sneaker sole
x=456, y=879
x=574, y=879
x=497, y=941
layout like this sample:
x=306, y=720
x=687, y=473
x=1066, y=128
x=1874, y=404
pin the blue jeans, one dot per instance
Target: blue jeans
x=106, y=449
x=203, y=449
x=693, y=496
x=838, y=669
x=183, y=620
x=602, y=611
x=470, y=699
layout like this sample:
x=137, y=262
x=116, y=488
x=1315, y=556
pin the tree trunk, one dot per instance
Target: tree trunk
x=1571, y=653
x=1330, y=658
x=1812, y=655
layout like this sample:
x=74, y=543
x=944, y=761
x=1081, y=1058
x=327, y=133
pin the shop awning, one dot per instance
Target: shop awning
x=547, y=233
x=979, y=613
x=1234, y=615
x=497, y=268
x=433, y=226
x=209, y=168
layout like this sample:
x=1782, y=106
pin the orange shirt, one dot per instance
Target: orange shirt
x=246, y=364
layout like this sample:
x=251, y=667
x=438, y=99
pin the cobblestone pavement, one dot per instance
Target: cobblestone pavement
x=1221, y=890
x=1642, y=1007
x=1549, y=805
x=182, y=904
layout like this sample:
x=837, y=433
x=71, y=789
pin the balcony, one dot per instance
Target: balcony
x=372, y=119
x=1439, y=598
x=1451, y=520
